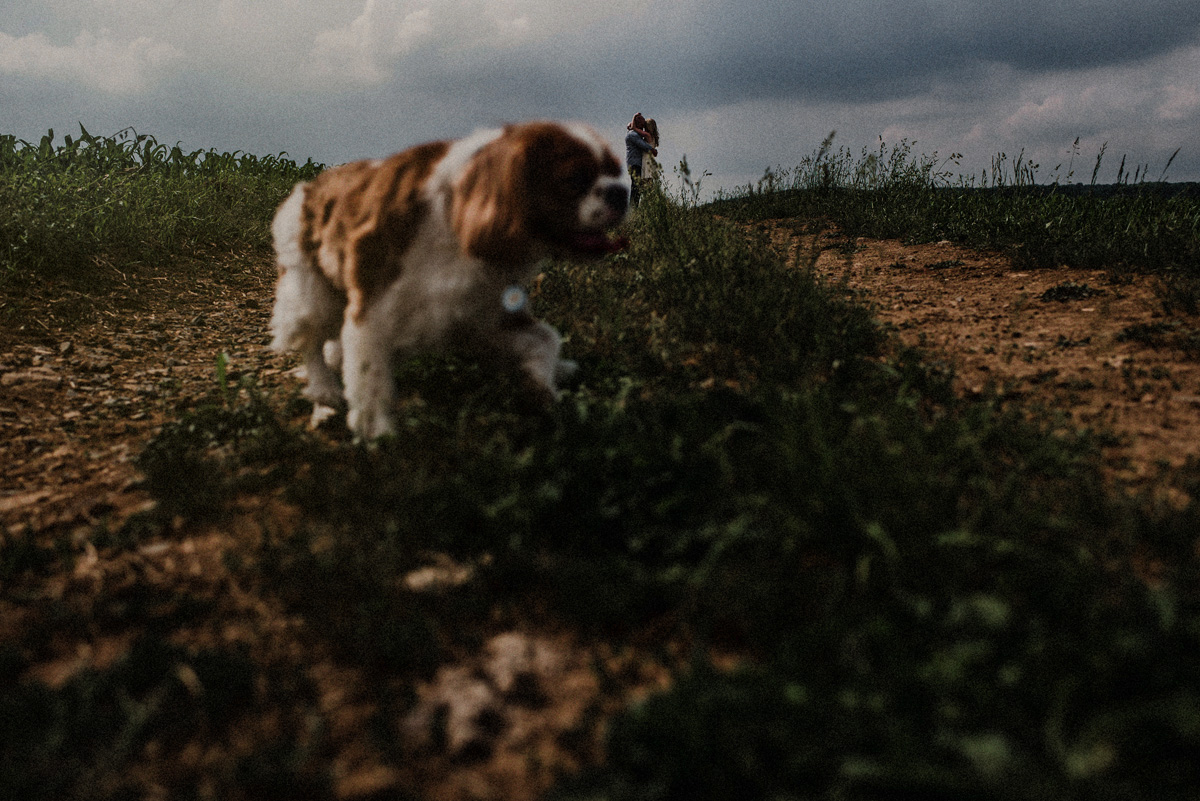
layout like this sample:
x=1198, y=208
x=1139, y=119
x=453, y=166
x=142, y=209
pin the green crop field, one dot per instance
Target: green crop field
x=861, y=585
x=71, y=210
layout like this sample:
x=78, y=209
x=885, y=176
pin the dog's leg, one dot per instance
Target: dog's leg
x=323, y=366
x=323, y=388
x=367, y=378
x=306, y=314
x=536, y=347
x=564, y=371
x=307, y=309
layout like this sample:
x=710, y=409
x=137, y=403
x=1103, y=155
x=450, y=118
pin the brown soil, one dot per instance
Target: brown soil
x=79, y=401
x=990, y=323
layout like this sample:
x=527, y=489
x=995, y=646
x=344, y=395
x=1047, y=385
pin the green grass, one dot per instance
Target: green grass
x=74, y=211
x=926, y=596
x=1134, y=225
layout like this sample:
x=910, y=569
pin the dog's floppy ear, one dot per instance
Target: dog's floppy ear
x=490, y=209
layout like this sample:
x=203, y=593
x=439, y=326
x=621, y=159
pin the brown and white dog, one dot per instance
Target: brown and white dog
x=413, y=252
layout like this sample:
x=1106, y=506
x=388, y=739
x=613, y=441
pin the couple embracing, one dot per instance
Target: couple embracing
x=641, y=146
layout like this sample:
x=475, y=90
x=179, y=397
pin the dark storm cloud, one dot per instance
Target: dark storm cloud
x=739, y=84
x=726, y=52
x=859, y=52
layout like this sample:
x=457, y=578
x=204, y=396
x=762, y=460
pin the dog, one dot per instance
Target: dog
x=426, y=251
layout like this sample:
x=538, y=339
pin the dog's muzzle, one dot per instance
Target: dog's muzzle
x=617, y=198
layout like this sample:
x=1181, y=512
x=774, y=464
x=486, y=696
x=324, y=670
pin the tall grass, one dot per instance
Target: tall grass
x=1133, y=225
x=129, y=199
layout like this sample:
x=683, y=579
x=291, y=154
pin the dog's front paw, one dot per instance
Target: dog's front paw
x=325, y=394
x=368, y=423
x=321, y=414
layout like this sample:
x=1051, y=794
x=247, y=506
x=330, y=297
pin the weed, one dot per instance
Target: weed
x=1164, y=334
x=1154, y=334
x=79, y=741
x=1068, y=291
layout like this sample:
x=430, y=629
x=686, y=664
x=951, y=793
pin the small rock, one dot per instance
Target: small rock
x=37, y=374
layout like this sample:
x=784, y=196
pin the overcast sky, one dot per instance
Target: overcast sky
x=736, y=85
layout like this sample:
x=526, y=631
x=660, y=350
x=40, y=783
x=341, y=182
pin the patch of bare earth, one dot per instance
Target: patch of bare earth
x=999, y=329
x=79, y=402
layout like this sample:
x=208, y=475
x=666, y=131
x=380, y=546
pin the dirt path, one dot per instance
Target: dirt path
x=77, y=404
x=999, y=329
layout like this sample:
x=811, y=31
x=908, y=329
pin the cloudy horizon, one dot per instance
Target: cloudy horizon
x=737, y=86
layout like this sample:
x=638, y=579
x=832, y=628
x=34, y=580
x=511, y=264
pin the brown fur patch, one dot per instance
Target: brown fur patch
x=523, y=186
x=489, y=210
x=360, y=219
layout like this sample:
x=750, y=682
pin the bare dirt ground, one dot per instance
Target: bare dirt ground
x=995, y=326
x=79, y=402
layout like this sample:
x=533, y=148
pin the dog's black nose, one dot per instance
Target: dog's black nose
x=617, y=197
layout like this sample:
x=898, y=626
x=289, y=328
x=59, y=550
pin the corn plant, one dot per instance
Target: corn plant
x=131, y=199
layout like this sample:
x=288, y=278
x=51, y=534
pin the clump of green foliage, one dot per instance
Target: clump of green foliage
x=928, y=596
x=1164, y=334
x=129, y=199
